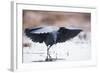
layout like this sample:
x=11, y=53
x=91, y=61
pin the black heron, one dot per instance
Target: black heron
x=59, y=35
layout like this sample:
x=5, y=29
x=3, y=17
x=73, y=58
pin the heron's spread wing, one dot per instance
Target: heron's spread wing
x=40, y=37
x=50, y=38
x=67, y=34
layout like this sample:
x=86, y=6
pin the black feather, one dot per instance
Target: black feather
x=50, y=38
x=36, y=37
x=66, y=34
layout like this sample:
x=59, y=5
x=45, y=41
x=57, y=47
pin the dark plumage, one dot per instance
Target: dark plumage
x=50, y=38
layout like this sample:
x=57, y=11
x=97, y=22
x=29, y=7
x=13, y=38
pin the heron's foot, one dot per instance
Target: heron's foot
x=48, y=59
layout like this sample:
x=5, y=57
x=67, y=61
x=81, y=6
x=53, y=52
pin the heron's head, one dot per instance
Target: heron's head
x=26, y=30
x=62, y=29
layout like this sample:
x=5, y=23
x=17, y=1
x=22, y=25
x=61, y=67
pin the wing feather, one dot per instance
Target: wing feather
x=67, y=34
x=36, y=37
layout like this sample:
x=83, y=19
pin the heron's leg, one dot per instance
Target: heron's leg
x=48, y=54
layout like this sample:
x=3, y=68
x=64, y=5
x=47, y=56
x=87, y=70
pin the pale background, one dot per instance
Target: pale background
x=5, y=36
